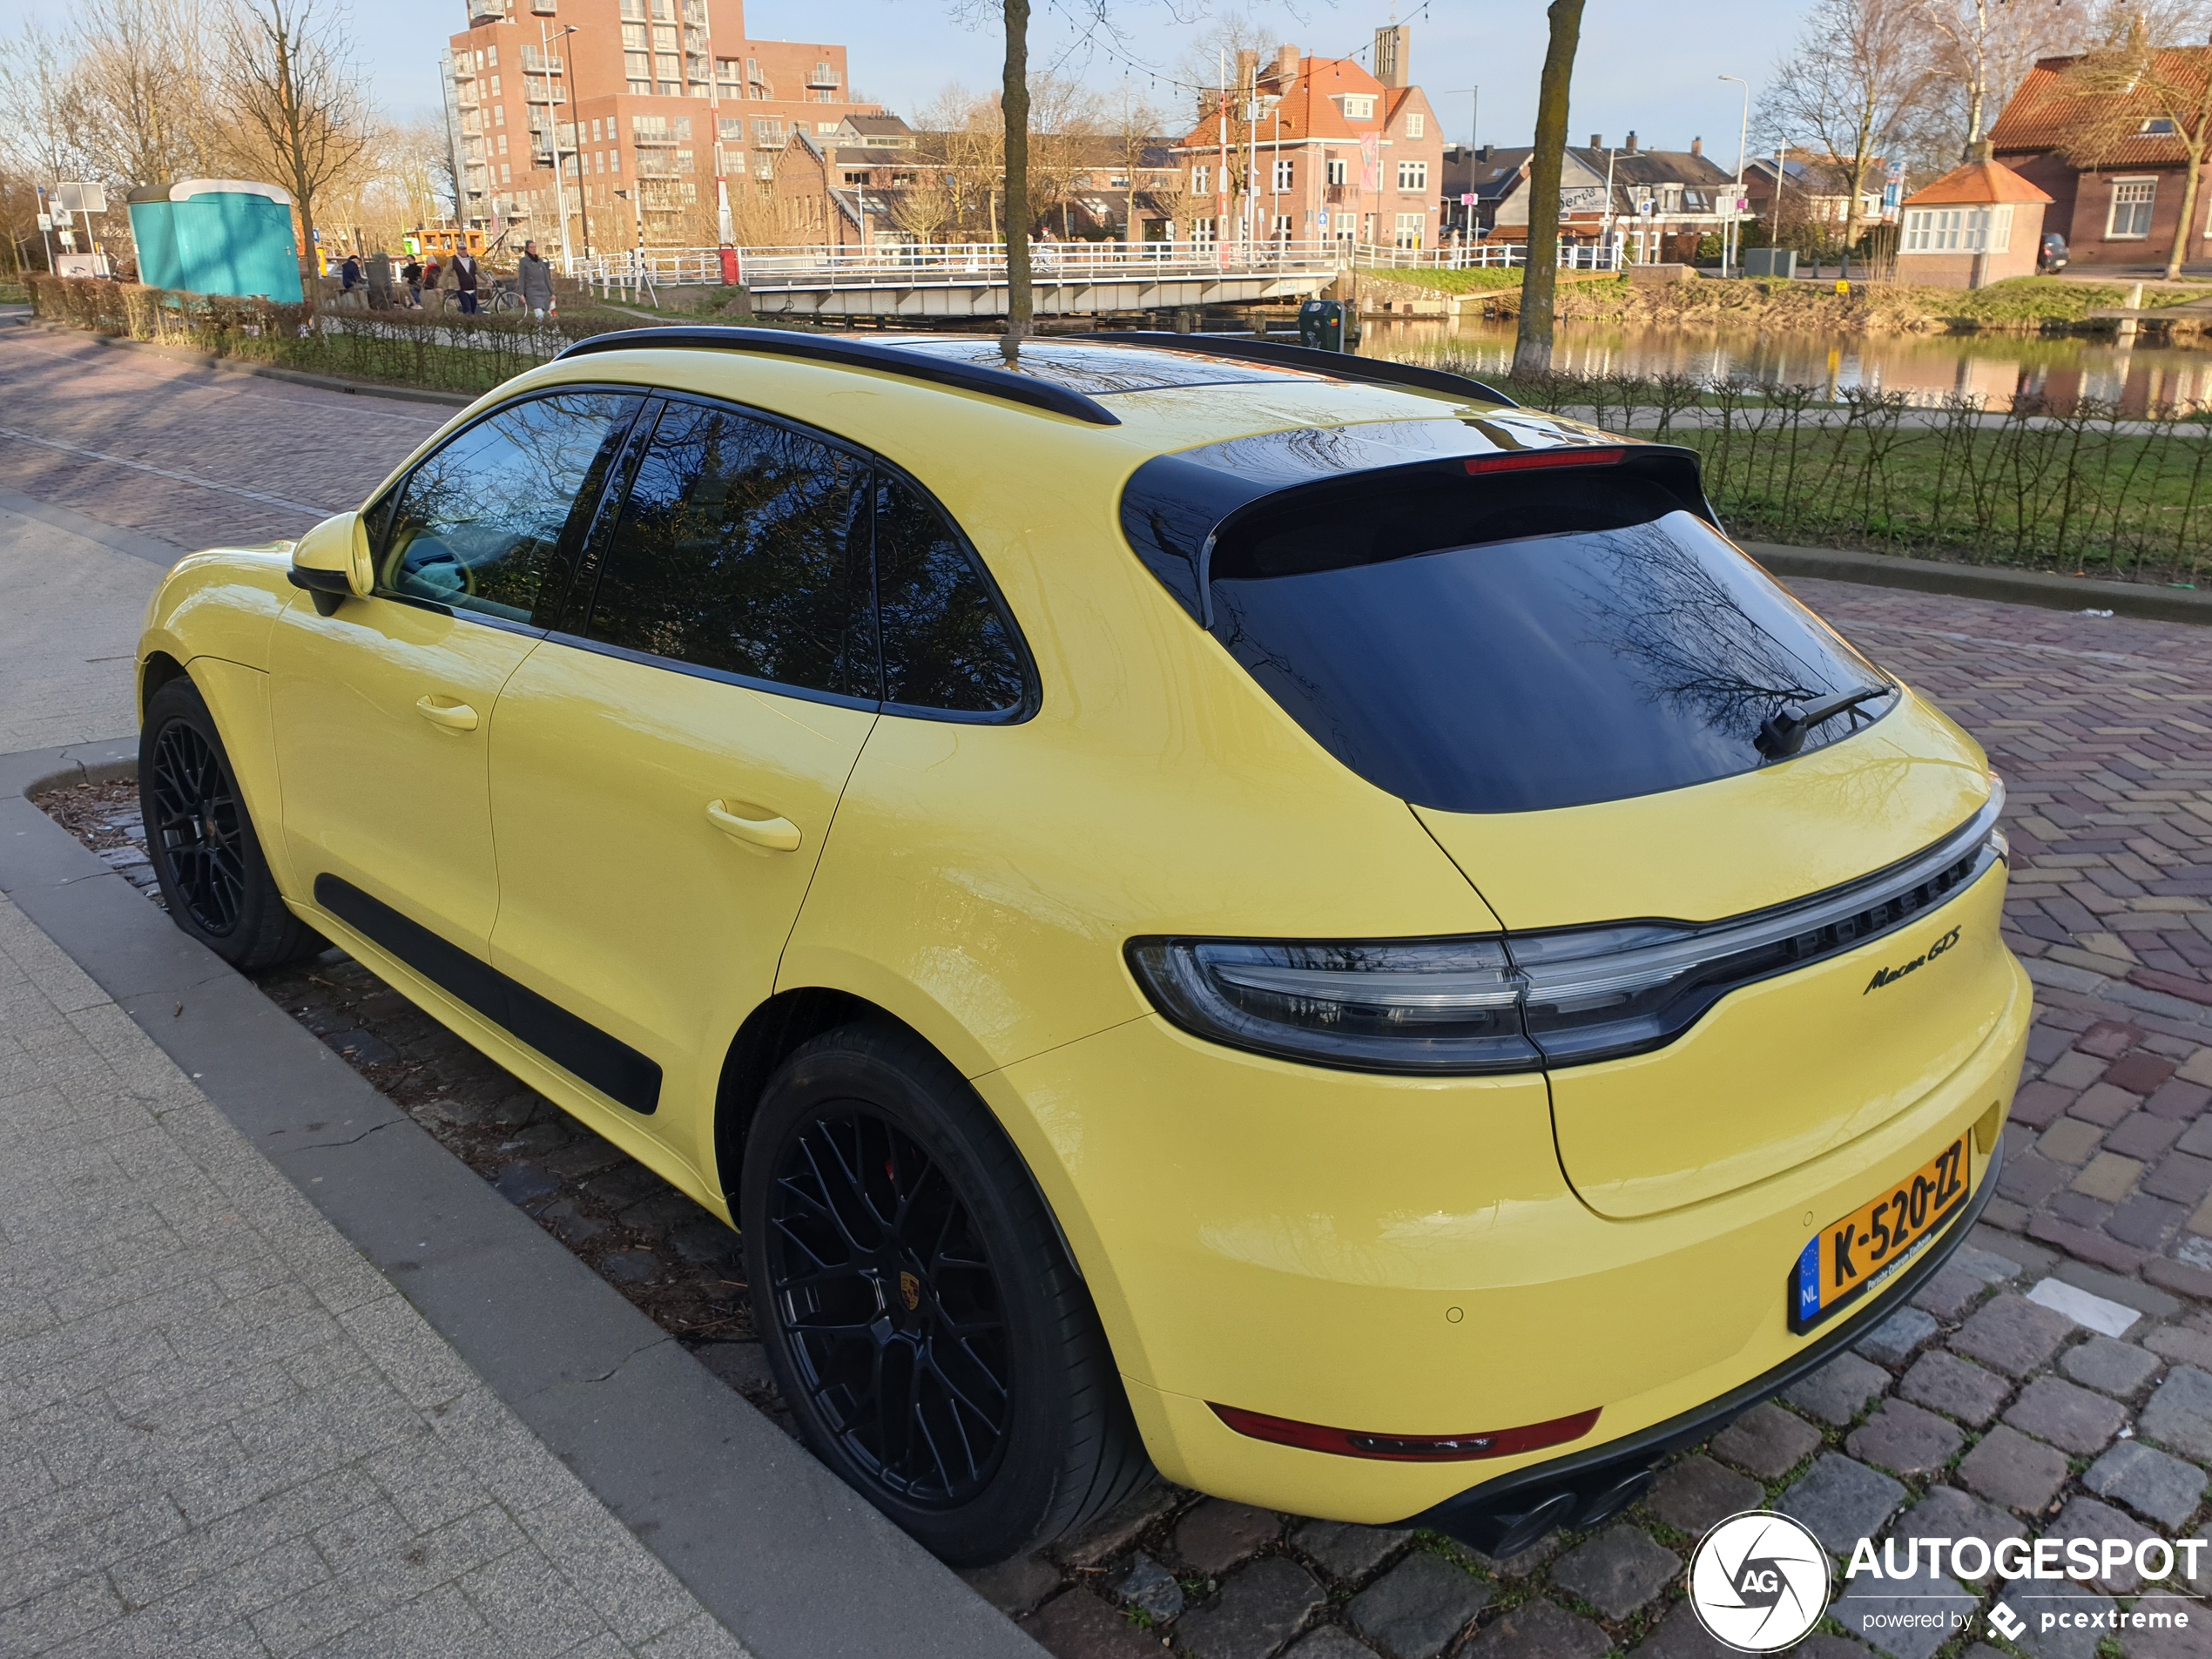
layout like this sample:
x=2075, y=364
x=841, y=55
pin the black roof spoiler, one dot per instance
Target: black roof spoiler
x=854, y=354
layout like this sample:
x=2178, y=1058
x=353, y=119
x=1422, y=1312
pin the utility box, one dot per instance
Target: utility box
x=1321, y=325
x=224, y=236
x=1770, y=262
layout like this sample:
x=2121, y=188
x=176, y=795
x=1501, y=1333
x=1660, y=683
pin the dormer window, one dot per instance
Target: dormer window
x=1358, y=107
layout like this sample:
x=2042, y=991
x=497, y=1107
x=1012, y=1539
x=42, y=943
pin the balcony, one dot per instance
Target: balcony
x=486, y=11
x=535, y=62
x=656, y=166
x=542, y=7
x=824, y=77
x=464, y=68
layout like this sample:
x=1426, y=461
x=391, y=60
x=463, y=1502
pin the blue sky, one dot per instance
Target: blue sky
x=1641, y=67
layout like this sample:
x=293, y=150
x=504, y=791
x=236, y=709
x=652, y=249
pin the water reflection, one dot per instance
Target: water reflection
x=1926, y=369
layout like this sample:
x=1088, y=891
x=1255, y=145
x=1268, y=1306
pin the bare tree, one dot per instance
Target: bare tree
x=1137, y=126
x=2130, y=83
x=1851, y=87
x=143, y=86
x=1013, y=103
x=1532, y=353
x=295, y=100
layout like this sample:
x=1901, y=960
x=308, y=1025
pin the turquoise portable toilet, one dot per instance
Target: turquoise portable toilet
x=226, y=236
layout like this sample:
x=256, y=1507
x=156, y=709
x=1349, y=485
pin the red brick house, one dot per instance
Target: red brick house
x=1340, y=154
x=2123, y=207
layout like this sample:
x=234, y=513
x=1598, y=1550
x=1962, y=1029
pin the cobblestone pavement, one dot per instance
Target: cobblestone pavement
x=194, y=455
x=2056, y=1378
x=220, y=1431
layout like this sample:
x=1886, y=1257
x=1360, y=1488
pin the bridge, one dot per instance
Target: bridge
x=955, y=281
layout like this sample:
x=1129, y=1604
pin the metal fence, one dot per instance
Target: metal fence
x=2073, y=484
x=639, y=270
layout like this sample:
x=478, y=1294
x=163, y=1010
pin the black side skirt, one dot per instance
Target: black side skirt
x=609, y=1064
x=1504, y=1516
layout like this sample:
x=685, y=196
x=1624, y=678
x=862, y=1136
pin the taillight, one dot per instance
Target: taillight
x=1408, y=1448
x=1529, y=460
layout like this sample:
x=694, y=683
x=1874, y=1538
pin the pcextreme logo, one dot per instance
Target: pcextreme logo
x=1890, y=976
x=1758, y=1582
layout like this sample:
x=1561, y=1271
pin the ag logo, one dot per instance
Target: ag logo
x=909, y=1290
x=1759, y=1582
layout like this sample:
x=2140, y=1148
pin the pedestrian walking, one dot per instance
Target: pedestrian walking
x=537, y=282
x=464, y=269
x=380, y=280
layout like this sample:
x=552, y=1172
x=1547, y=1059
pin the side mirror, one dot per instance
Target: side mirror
x=332, y=561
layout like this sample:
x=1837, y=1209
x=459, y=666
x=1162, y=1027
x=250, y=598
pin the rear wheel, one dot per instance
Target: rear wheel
x=201, y=840
x=933, y=1340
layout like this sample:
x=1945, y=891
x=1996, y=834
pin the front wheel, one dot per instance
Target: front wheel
x=201, y=841
x=935, y=1342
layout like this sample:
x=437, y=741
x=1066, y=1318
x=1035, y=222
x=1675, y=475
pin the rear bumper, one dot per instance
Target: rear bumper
x=1504, y=1516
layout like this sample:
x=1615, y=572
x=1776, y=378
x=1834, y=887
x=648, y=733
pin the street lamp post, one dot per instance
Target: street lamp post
x=1743, y=142
x=575, y=103
x=560, y=186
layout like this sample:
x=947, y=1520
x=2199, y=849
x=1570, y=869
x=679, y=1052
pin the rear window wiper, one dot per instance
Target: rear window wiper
x=1783, y=732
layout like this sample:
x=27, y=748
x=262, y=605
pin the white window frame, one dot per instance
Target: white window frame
x=1417, y=126
x=1412, y=177
x=2138, y=192
x=1285, y=173
x=1412, y=230
x=1356, y=106
x=1201, y=180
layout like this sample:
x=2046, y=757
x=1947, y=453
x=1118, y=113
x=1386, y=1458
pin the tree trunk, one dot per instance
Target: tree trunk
x=2190, y=188
x=1015, y=97
x=1532, y=355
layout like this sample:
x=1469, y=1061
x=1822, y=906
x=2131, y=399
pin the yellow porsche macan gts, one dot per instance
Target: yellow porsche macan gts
x=1202, y=906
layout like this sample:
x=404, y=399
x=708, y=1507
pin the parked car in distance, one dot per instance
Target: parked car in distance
x=1202, y=906
x=2051, y=256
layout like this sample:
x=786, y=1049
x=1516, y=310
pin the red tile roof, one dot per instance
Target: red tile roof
x=1309, y=107
x=2045, y=115
x=1975, y=184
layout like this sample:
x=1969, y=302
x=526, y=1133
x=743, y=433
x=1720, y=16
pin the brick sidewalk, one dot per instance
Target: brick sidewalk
x=220, y=1430
x=321, y=451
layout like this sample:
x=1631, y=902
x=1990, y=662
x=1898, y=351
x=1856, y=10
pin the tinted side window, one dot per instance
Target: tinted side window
x=946, y=644
x=483, y=524
x=735, y=552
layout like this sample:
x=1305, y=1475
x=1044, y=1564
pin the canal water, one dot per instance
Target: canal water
x=1926, y=369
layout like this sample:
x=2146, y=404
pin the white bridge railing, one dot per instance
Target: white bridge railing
x=640, y=271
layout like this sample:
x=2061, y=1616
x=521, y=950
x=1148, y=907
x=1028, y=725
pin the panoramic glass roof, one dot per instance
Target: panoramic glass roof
x=1096, y=369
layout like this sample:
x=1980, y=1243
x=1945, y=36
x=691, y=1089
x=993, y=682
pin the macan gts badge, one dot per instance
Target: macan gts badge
x=1202, y=907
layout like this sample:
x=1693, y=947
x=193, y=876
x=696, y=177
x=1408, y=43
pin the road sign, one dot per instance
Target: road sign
x=1467, y=199
x=81, y=198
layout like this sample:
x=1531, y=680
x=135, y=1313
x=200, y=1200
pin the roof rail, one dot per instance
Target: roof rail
x=853, y=354
x=1341, y=365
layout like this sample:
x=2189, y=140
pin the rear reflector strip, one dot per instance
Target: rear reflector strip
x=1408, y=1448
x=1526, y=460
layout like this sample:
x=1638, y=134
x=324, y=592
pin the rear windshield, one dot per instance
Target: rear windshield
x=1520, y=642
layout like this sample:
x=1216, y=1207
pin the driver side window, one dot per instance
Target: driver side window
x=484, y=526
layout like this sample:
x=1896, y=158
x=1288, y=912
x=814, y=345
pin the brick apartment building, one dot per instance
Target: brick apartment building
x=645, y=96
x=1316, y=149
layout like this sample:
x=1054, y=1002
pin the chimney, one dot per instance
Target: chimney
x=1247, y=68
x=1392, y=51
x=1632, y=141
x=1597, y=141
x=1697, y=147
x=1484, y=153
x=1286, y=62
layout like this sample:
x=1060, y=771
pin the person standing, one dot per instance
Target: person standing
x=537, y=282
x=380, y=280
x=349, y=278
x=411, y=274
x=464, y=268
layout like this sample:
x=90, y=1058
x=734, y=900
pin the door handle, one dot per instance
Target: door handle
x=454, y=716
x=777, y=834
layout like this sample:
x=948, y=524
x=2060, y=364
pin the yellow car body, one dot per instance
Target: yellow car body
x=1417, y=1256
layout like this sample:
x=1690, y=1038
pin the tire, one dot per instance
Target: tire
x=201, y=840
x=1006, y=1422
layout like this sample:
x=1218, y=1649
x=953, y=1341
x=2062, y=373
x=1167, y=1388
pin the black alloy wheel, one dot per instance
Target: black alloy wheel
x=195, y=827
x=201, y=841
x=920, y=1309
x=891, y=1307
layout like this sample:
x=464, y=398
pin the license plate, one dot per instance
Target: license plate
x=1854, y=1253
